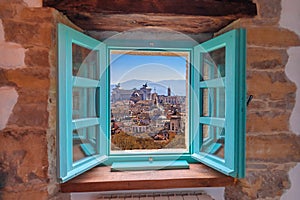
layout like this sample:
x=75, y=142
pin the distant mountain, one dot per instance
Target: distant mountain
x=178, y=87
x=134, y=83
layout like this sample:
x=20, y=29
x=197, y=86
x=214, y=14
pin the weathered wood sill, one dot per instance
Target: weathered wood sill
x=102, y=179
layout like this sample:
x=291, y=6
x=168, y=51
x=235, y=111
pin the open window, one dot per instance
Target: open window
x=82, y=96
x=210, y=114
x=218, y=81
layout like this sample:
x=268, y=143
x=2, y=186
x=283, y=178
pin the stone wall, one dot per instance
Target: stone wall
x=27, y=103
x=272, y=148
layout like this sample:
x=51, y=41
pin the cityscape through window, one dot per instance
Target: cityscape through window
x=148, y=100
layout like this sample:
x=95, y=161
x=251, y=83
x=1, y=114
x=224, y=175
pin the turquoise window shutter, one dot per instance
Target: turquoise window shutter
x=218, y=104
x=83, y=117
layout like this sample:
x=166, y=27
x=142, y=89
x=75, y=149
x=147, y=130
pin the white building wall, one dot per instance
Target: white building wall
x=290, y=18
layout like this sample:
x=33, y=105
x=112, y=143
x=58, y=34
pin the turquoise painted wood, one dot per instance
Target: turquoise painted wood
x=220, y=95
x=213, y=121
x=85, y=122
x=66, y=124
x=149, y=165
x=84, y=82
x=240, y=149
x=213, y=147
x=99, y=126
x=195, y=104
x=234, y=42
x=150, y=44
x=88, y=149
x=140, y=156
x=213, y=83
x=210, y=85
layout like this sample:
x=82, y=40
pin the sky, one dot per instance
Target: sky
x=126, y=67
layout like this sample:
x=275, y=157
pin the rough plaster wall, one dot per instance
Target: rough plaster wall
x=293, y=193
x=12, y=54
x=7, y=104
x=290, y=17
x=293, y=72
x=8, y=60
x=1, y=32
x=34, y=3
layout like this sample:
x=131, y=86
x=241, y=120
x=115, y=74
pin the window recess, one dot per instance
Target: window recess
x=215, y=107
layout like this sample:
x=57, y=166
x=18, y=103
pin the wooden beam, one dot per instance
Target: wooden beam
x=192, y=16
x=125, y=22
x=174, y=7
x=178, y=7
x=102, y=179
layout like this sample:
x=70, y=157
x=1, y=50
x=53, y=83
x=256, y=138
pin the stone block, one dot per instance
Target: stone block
x=25, y=195
x=268, y=10
x=271, y=37
x=32, y=96
x=11, y=1
x=264, y=58
x=30, y=78
x=23, y=158
x=235, y=192
x=35, y=115
x=286, y=105
x=29, y=34
x=267, y=122
x=259, y=184
x=3, y=79
x=278, y=148
x=247, y=23
x=9, y=9
x=274, y=85
x=12, y=56
x=262, y=185
x=40, y=15
x=37, y=57
x=257, y=104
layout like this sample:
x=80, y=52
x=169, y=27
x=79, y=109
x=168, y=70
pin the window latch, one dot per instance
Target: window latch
x=249, y=99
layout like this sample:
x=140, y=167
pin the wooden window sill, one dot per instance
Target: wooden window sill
x=102, y=179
